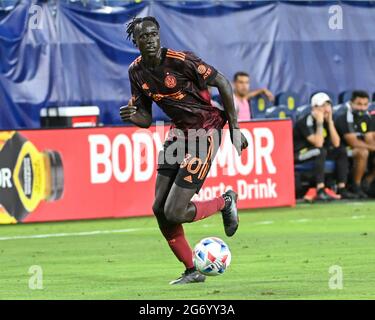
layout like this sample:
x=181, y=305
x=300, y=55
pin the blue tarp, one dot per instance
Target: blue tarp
x=81, y=57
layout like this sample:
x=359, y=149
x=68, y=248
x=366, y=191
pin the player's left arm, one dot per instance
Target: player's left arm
x=205, y=75
x=225, y=89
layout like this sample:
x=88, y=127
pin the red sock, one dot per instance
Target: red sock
x=178, y=243
x=205, y=209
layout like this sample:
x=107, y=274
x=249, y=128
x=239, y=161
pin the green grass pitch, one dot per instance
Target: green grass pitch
x=281, y=253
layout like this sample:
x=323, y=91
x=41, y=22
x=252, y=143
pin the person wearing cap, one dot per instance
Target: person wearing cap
x=316, y=139
x=356, y=130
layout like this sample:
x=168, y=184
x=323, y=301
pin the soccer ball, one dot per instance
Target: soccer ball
x=211, y=256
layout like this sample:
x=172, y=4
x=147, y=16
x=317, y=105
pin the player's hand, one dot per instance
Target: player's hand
x=239, y=140
x=328, y=114
x=126, y=112
x=318, y=115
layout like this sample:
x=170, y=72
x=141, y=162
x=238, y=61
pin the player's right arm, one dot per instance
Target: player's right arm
x=138, y=110
x=136, y=114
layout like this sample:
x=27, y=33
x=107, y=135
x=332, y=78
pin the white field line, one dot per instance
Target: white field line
x=264, y=222
x=95, y=232
x=301, y=220
x=73, y=234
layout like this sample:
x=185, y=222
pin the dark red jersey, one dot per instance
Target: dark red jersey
x=179, y=86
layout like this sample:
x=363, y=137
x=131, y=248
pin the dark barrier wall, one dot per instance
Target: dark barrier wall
x=81, y=57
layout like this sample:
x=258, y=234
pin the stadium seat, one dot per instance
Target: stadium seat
x=339, y=109
x=259, y=106
x=345, y=96
x=158, y=114
x=288, y=98
x=302, y=111
x=280, y=112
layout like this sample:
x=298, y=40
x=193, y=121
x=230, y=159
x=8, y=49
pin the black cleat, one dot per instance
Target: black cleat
x=189, y=276
x=357, y=190
x=229, y=213
x=365, y=186
x=345, y=194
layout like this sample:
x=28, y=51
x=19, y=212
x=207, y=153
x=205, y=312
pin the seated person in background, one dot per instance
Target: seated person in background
x=242, y=95
x=315, y=138
x=356, y=131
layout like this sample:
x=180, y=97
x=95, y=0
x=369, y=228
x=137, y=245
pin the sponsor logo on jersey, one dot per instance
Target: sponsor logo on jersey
x=202, y=69
x=207, y=73
x=170, y=81
x=176, y=95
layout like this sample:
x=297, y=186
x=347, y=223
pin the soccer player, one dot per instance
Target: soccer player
x=177, y=81
x=356, y=129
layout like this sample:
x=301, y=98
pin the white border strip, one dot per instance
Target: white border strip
x=78, y=111
x=95, y=232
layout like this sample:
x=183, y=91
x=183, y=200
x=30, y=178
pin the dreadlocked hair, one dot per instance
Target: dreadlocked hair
x=130, y=27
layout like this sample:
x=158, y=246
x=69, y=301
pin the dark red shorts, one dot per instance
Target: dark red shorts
x=188, y=161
